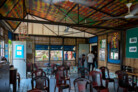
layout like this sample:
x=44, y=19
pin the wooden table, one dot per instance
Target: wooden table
x=132, y=74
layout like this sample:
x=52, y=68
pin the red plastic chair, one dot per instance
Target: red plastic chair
x=123, y=81
x=97, y=76
x=41, y=83
x=61, y=80
x=64, y=74
x=37, y=73
x=107, y=79
x=82, y=83
x=54, y=68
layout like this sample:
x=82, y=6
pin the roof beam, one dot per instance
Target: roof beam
x=56, y=23
x=64, y=13
x=49, y=8
x=24, y=9
x=71, y=33
x=3, y=3
x=46, y=27
x=78, y=13
x=13, y=7
x=68, y=12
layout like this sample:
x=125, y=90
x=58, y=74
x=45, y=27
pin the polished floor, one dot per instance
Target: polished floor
x=25, y=85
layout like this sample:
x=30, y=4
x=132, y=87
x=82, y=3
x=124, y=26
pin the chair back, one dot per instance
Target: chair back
x=59, y=75
x=105, y=70
x=96, y=77
x=29, y=67
x=38, y=73
x=42, y=83
x=81, y=83
x=83, y=71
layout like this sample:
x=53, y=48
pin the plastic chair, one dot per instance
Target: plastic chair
x=82, y=84
x=65, y=76
x=41, y=83
x=123, y=81
x=54, y=68
x=60, y=78
x=106, y=77
x=97, y=81
x=37, y=73
x=84, y=72
x=64, y=71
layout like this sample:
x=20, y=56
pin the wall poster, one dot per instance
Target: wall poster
x=133, y=49
x=19, y=51
x=102, y=50
x=103, y=43
x=133, y=40
x=102, y=54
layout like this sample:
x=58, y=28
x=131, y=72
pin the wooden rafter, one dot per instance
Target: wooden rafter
x=56, y=23
x=49, y=8
x=68, y=12
x=46, y=27
x=64, y=13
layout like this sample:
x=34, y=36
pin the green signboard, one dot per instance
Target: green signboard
x=132, y=43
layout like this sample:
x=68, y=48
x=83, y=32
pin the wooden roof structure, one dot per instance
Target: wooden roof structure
x=88, y=19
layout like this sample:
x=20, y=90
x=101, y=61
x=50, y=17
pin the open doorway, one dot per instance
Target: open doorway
x=94, y=48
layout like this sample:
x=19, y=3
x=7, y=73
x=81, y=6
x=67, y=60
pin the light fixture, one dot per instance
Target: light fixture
x=67, y=29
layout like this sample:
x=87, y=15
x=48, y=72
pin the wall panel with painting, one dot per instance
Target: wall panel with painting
x=113, y=48
x=131, y=45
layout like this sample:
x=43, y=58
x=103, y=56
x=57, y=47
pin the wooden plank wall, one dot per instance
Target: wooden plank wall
x=5, y=34
x=58, y=41
x=102, y=63
x=111, y=67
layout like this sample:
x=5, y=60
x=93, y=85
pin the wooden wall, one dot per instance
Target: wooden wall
x=133, y=62
x=111, y=67
x=5, y=34
x=58, y=41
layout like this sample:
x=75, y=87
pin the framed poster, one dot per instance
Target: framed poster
x=133, y=40
x=133, y=49
x=19, y=51
x=103, y=43
x=102, y=55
